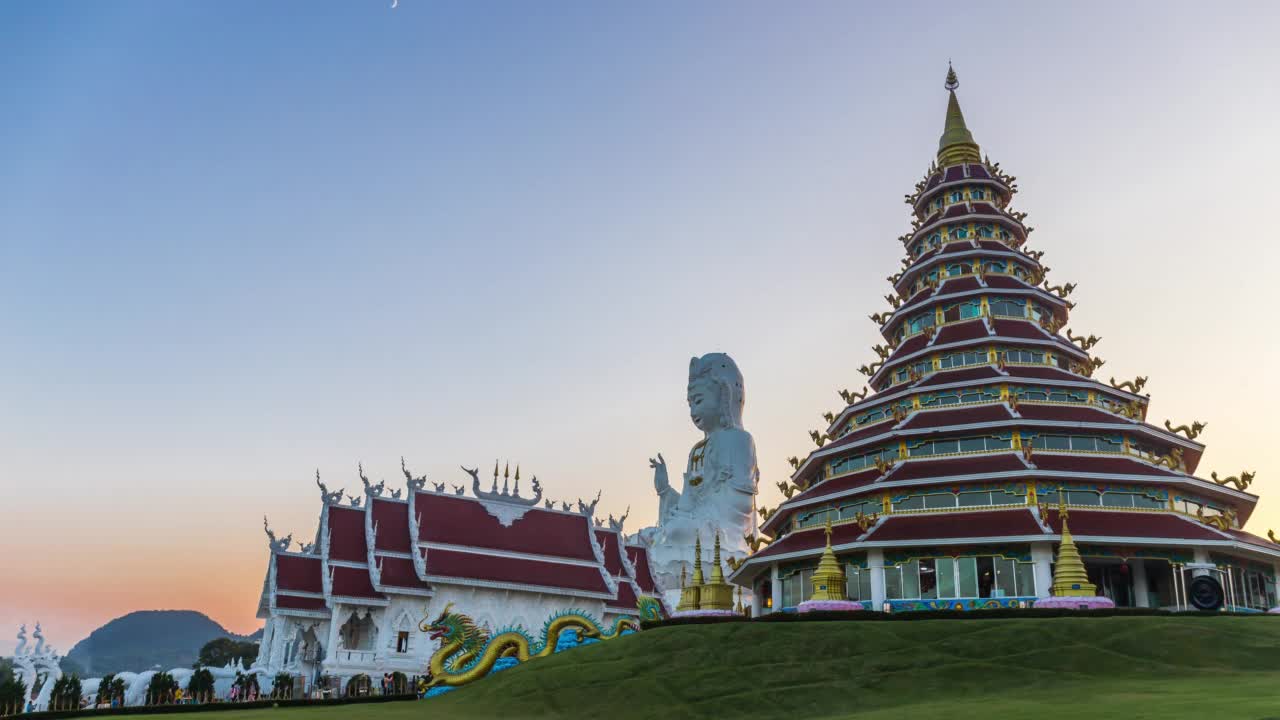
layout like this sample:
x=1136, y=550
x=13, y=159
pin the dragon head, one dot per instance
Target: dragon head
x=452, y=627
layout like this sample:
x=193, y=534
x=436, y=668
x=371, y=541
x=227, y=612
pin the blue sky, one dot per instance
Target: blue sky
x=243, y=240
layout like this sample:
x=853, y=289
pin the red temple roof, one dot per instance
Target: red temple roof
x=465, y=522
x=811, y=539
x=958, y=376
x=1102, y=523
x=1019, y=329
x=517, y=571
x=1067, y=413
x=346, y=534
x=626, y=597
x=353, y=582
x=612, y=560
x=391, y=520
x=293, y=602
x=1104, y=464
x=919, y=469
x=399, y=572
x=957, y=525
x=301, y=573
x=960, y=332
x=639, y=558
x=994, y=412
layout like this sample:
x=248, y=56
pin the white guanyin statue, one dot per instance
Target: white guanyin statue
x=720, y=478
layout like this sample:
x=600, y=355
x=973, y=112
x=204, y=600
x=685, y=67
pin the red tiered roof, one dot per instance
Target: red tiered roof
x=639, y=558
x=862, y=433
x=1004, y=282
x=1104, y=464
x=609, y=544
x=958, y=416
x=1043, y=373
x=346, y=534
x=391, y=519
x=353, y=582
x=963, y=283
x=961, y=332
x=515, y=571
x=957, y=526
x=811, y=539
x=1103, y=523
x=957, y=376
x=973, y=465
x=1067, y=413
x=399, y=572
x=454, y=520
x=293, y=602
x=1018, y=329
x=625, y=599
x=298, y=572
x=836, y=485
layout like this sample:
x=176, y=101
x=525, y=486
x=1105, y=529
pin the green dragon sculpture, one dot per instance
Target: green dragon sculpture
x=467, y=652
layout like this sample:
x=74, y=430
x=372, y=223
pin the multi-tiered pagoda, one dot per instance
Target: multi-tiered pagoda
x=985, y=415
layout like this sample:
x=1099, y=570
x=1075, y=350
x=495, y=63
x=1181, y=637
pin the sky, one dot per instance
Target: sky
x=243, y=241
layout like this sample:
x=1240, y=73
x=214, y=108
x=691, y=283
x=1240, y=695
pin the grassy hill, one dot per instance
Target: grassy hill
x=1137, y=667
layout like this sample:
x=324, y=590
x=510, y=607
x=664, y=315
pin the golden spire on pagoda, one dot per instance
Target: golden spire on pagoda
x=956, y=144
x=828, y=579
x=688, y=593
x=717, y=575
x=1069, y=576
x=698, y=579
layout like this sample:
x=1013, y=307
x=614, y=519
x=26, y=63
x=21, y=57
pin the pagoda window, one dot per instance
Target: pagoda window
x=928, y=579
x=946, y=576
x=967, y=575
x=911, y=502
x=796, y=587
x=857, y=582
x=996, y=266
x=918, y=323
x=986, y=231
x=858, y=462
x=867, y=507
x=962, y=359
x=1018, y=272
x=957, y=196
x=980, y=498
x=1008, y=307
x=957, y=269
x=960, y=232
x=978, y=194
x=940, y=501
x=1128, y=499
x=935, y=239
x=816, y=518
x=953, y=446
x=1028, y=357
x=983, y=576
x=1084, y=497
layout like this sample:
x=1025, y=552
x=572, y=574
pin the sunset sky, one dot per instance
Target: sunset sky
x=243, y=240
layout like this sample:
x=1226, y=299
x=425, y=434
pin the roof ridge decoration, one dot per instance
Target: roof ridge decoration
x=369, y=487
x=329, y=498
x=956, y=144
x=507, y=494
x=281, y=545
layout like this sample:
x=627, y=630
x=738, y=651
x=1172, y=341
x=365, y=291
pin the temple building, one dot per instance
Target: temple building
x=351, y=602
x=983, y=415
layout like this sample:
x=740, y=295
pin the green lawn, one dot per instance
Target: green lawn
x=1139, y=667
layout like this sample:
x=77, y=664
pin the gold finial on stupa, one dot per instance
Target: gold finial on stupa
x=717, y=575
x=828, y=579
x=688, y=593
x=698, y=579
x=956, y=144
x=1069, y=576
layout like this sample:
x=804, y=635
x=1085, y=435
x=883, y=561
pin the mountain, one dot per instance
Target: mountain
x=145, y=639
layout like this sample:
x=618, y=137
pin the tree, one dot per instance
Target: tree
x=12, y=692
x=282, y=685
x=359, y=685
x=66, y=693
x=161, y=688
x=247, y=685
x=200, y=686
x=111, y=688
x=217, y=653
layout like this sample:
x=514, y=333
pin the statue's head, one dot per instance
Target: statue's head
x=716, y=394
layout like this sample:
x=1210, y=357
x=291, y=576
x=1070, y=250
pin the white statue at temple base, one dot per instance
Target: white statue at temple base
x=720, y=478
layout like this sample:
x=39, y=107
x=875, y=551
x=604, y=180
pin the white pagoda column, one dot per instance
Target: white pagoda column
x=775, y=585
x=1042, y=560
x=757, y=603
x=1138, y=573
x=875, y=562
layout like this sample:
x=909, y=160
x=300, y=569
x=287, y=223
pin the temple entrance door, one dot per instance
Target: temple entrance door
x=1117, y=583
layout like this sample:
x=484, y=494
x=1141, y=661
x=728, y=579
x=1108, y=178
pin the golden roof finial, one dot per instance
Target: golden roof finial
x=698, y=579
x=717, y=575
x=495, y=470
x=956, y=144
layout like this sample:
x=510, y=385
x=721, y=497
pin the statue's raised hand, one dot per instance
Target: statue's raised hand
x=660, y=482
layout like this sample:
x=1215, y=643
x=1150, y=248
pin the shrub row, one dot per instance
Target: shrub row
x=212, y=707
x=908, y=616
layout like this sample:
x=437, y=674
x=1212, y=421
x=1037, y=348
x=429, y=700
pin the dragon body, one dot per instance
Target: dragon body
x=468, y=653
